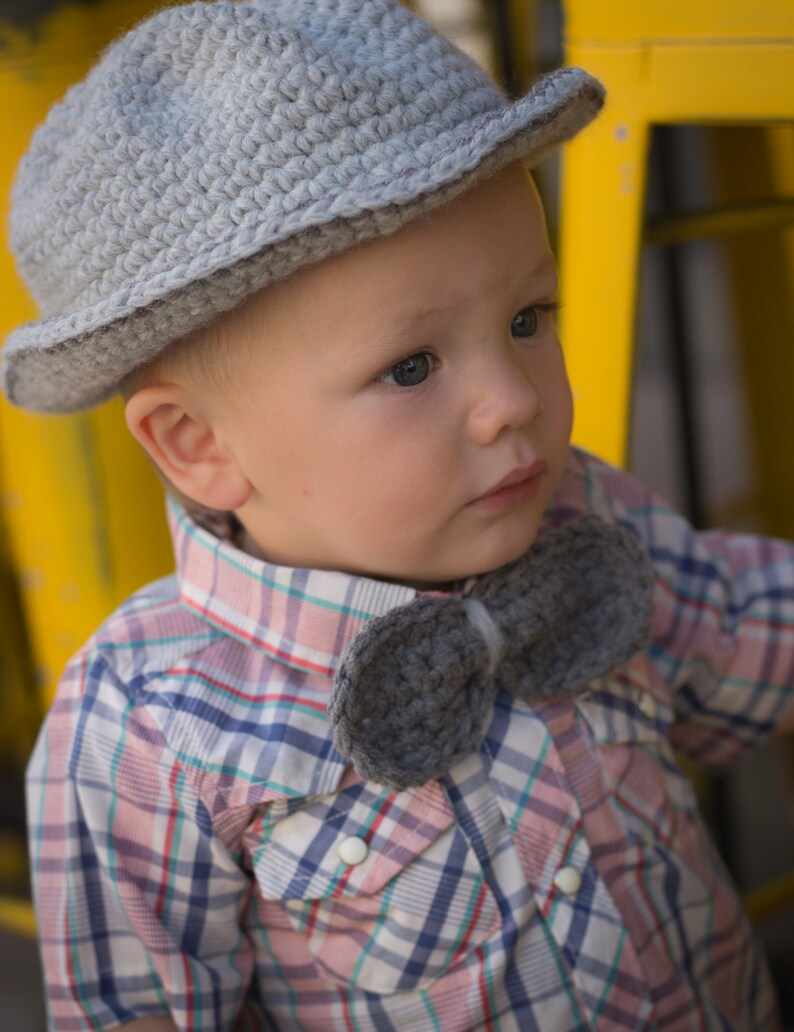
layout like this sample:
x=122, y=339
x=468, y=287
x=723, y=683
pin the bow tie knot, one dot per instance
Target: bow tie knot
x=415, y=688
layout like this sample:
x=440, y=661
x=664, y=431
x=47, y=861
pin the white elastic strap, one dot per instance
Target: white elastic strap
x=488, y=629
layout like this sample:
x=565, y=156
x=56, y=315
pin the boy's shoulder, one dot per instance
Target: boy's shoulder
x=589, y=484
x=164, y=684
x=148, y=634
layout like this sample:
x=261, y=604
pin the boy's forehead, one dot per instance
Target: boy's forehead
x=490, y=238
x=495, y=222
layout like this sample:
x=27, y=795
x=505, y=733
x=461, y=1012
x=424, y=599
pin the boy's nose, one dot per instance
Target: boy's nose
x=504, y=397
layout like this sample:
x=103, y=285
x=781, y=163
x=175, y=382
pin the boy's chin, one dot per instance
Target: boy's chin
x=453, y=578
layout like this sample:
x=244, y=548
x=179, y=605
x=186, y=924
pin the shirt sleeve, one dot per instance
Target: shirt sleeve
x=138, y=902
x=723, y=625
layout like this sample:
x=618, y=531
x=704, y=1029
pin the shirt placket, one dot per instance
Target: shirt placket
x=528, y=987
x=549, y=832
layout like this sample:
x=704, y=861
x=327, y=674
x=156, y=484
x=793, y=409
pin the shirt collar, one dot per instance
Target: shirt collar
x=302, y=618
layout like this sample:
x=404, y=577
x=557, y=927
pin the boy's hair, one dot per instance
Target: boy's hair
x=220, y=146
x=203, y=360
x=207, y=360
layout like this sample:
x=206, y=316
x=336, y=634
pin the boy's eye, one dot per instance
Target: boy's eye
x=410, y=372
x=525, y=324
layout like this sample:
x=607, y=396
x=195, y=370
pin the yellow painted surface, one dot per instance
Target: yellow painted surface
x=19, y=705
x=720, y=62
x=632, y=20
x=604, y=171
x=16, y=916
x=522, y=15
x=83, y=511
x=659, y=65
x=753, y=162
x=769, y=900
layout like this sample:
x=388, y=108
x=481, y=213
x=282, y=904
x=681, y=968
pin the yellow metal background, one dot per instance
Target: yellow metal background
x=729, y=65
x=82, y=520
x=723, y=62
x=78, y=499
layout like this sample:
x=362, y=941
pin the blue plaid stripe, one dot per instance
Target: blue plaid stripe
x=187, y=807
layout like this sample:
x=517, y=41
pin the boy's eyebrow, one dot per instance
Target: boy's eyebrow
x=544, y=272
x=544, y=285
x=546, y=266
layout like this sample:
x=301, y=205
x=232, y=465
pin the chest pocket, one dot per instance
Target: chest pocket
x=675, y=880
x=629, y=724
x=413, y=904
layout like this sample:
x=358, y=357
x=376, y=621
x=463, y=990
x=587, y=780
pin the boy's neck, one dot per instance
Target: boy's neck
x=243, y=540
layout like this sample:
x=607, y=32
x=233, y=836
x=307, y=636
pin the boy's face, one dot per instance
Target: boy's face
x=397, y=386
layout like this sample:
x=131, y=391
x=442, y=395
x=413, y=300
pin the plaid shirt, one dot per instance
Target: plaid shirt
x=199, y=847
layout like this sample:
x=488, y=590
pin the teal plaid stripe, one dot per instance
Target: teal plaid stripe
x=188, y=807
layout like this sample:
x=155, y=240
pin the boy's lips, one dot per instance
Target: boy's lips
x=519, y=486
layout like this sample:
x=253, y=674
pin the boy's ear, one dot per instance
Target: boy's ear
x=182, y=442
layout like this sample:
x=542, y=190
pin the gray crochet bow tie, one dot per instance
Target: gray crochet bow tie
x=415, y=688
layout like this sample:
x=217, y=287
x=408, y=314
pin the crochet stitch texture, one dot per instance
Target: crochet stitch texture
x=415, y=690
x=219, y=146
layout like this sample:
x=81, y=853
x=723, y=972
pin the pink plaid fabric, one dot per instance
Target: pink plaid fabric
x=190, y=817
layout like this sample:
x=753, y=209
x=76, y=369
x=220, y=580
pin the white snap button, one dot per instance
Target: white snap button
x=568, y=880
x=352, y=850
x=648, y=705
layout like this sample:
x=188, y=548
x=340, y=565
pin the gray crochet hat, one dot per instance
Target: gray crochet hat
x=219, y=146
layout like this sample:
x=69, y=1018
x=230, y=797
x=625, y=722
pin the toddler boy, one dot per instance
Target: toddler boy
x=393, y=748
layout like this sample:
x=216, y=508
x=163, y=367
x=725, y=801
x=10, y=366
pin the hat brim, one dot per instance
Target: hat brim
x=73, y=362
